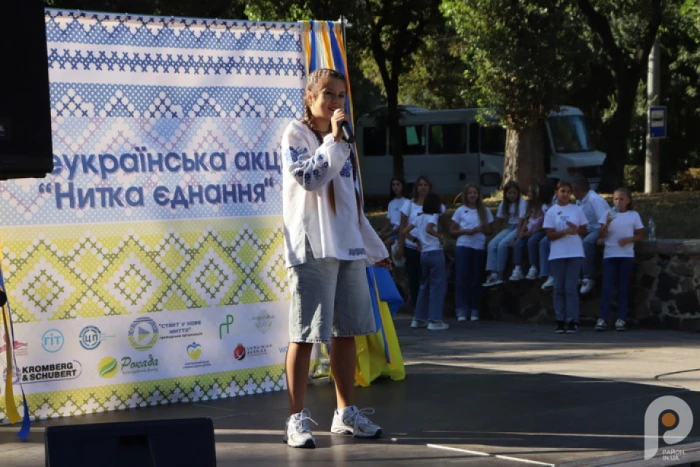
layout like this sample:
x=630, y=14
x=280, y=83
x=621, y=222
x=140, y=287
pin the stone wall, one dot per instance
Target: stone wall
x=665, y=290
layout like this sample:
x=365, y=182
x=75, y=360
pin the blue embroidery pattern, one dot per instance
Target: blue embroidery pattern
x=346, y=171
x=294, y=154
x=356, y=251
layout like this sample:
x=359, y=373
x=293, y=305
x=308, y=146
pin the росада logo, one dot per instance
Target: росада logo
x=90, y=337
x=675, y=416
x=227, y=324
x=52, y=340
x=194, y=351
x=239, y=352
x=108, y=367
x=143, y=333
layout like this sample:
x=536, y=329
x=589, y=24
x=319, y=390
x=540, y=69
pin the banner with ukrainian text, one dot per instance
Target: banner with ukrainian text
x=148, y=267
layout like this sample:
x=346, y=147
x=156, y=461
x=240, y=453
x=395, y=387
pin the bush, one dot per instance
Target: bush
x=633, y=177
x=688, y=180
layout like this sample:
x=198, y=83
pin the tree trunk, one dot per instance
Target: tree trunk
x=394, y=117
x=614, y=133
x=524, y=156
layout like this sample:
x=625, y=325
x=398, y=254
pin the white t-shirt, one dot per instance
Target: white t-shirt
x=394, y=210
x=468, y=219
x=594, y=207
x=428, y=242
x=411, y=210
x=513, y=215
x=623, y=225
x=568, y=246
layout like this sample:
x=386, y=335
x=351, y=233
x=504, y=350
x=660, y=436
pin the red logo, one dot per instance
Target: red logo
x=16, y=345
x=239, y=352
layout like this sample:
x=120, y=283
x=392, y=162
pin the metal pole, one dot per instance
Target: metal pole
x=651, y=166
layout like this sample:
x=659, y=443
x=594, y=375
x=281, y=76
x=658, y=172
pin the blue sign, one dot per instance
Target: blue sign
x=657, y=121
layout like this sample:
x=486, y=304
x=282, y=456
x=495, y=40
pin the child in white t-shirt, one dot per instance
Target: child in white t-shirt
x=529, y=235
x=565, y=224
x=470, y=224
x=511, y=210
x=621, y=228
x=390, y=232
x=433, y=284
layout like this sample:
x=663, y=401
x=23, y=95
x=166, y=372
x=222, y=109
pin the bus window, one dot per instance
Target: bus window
x=413, y=140
x=493, y=140
x=570, y=134
x=473, y=137
x=448, y=138
x=374, y=141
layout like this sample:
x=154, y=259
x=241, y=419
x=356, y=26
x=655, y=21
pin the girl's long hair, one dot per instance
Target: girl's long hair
x=415, y=186
x=480, y=208
x=403, y=186
x=311, y=89
x=506, y=202
x=534, y=202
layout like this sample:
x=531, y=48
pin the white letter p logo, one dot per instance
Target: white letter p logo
x=675, y=415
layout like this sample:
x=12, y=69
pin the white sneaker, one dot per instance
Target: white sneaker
x=353, y=422
x=548, y=284
x=475, y=318
x=532, y=274
x=297, y=433
x=517, y=274
x=417, y=323
x=438, y=326
x=587, y=286
x=493, y=280
x=461, y=318
x=620, y=325
x=601, y=325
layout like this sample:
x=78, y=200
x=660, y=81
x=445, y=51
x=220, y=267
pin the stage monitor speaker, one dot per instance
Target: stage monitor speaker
x=157, y=443
x=25, y=108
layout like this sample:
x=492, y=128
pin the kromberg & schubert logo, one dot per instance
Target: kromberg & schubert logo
x=675, y=416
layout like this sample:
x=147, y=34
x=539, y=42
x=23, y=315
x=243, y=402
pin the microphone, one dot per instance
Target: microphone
x=345, y=128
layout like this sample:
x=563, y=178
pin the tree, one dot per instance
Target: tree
x=518, y=56
x=626, y=32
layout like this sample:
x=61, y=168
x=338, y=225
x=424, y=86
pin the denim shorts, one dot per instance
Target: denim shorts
x=330, y=298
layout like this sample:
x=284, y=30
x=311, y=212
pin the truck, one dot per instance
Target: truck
x=453, y=148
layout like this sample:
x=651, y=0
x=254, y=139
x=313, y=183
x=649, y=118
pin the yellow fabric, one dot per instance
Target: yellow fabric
x=371, y=359
x=10, y=405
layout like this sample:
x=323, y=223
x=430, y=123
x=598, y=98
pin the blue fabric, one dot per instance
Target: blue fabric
x=388, y=292
x=566, y=273
x=617, y=273
x=433, y=286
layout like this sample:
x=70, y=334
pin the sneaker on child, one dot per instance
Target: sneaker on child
x=517, y=274
x=601, y=325
x=352, y=421
x=548, y=284
x=437, y=326
x=297, y=433
x=572, y=328
x=561, y=327
x=461, y=318
x=493, y=280
x=587, y=286
x=532, y=274
x=620, y=325
x=418, y=323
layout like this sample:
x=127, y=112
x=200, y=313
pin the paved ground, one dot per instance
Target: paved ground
x=486, y=393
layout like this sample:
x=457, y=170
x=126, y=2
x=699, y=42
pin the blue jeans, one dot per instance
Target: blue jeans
x=566, y=272
x=433, y=286
x=589, y=249
x=617, y=272
x=545, y=265
x=469, y=272
x=532, y=242
x=413, y=271
x=497, y=256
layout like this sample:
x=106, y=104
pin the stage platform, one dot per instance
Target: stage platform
x=482, y=394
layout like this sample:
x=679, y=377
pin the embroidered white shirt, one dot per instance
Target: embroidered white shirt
x=307, y=168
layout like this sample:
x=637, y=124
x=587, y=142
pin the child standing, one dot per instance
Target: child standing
x=511, y=209
x=470, y=224
x=433, y=284
x=565, y=224
x=529, y=235
x=390, y=232
x=621, y=228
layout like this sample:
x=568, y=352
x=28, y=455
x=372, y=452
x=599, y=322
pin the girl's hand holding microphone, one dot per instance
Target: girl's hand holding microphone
x=336, y=122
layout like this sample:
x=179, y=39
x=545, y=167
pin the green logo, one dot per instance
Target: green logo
x=107, y=367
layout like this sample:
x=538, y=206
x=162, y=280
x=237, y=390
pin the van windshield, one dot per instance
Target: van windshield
x=570, y=134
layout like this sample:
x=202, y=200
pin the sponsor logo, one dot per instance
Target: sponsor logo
x=194, y=351
x=263, y=321
x=226, y=324
x=130, y=366
x=143, y=333
x=239, y=352
x=20, y=349
x=52, y=340
x=676, y=418
x=179, y=329
x=51, y=372
x=108, y=367
x=284, y=349
x=90, y=337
